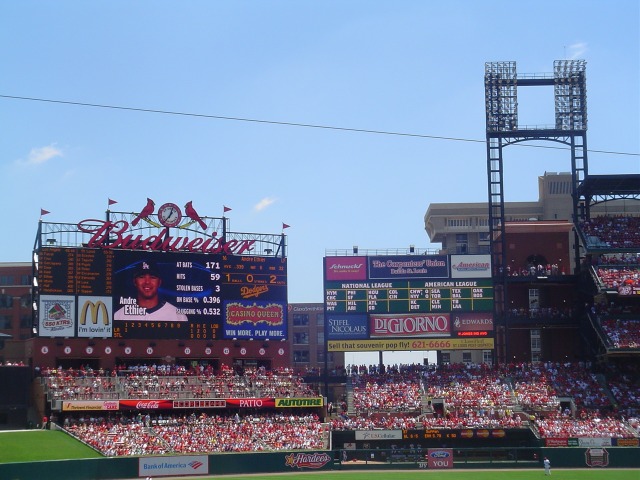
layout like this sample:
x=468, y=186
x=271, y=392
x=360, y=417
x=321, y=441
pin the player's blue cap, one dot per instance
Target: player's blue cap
x=146, y=267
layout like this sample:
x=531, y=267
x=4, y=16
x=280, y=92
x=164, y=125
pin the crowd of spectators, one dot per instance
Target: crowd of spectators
x=389, y=398
x=587, y=424
x=536, y=270
x=622, y=333
x=617, y=259
x=142, y=435
x=397, y=389
x=155, y=382
x=615, y=277
x=466, y=385
x=613, y=232
x=552, y=313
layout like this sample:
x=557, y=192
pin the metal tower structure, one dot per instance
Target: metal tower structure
x=501, y=82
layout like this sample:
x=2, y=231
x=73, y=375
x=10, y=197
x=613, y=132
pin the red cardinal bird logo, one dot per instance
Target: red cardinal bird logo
x=146, y=211
x=193, y=215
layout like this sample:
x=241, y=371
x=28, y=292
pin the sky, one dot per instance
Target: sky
x=343, y=120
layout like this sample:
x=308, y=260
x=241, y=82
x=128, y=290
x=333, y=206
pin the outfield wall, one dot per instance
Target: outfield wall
x=281, y=462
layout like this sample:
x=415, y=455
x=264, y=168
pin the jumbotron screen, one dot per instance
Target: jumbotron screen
x=93, y=292
x=408, y=302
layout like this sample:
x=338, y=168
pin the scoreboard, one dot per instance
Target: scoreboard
x=92, y=292
x=409, y=296
x=410, y=302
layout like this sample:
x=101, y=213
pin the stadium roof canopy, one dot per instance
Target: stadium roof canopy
x=616, y=186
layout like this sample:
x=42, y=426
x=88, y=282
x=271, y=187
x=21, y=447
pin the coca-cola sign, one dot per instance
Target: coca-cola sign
x=146, y=404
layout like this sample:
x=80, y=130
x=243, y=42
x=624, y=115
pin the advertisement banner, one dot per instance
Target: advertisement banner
x=477, y=321
x=345, y=268
x=470, y=266
x=440, y=457
x=77, y=406
x=255, y=319
x=627, y=442
x=146, y=404
x=347, y=327
x=57, y=316
x=94, y=316
x=410, y=325
x=149, y=467
x=313, y=461
x=299, y=402
x=251, y=402
x=378, y=434
x=594, y=442
x=408, y=345
x=409, y=266
x=596, y=457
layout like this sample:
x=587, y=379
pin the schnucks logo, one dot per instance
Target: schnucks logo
x=307, y=460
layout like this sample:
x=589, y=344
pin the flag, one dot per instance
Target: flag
x=44, y=212
x=225, y=208
x=111, y=202
x=284, y=225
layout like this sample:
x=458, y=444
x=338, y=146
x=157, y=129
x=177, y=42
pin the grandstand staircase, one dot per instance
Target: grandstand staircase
x=602, y=381
x=351, y=409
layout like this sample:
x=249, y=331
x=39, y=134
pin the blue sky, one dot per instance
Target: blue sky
x=412, y=67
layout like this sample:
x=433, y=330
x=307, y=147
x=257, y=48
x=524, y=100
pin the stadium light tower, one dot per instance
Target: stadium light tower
x=501, y=83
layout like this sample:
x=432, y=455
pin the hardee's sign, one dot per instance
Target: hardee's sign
x=107, y=234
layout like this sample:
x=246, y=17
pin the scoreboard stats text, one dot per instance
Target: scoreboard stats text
x=370, y=302
x=91, y=292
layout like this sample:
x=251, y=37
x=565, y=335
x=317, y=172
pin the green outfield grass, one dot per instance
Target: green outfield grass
x=35, y=445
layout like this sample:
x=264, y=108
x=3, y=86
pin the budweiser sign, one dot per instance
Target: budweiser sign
x=116, y=235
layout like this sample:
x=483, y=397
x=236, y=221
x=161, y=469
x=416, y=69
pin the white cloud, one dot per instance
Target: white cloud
x=577, y=51
x=38, y=156
x=264, y=203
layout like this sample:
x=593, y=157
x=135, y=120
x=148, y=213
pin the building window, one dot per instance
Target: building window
x=466, y=357
x=462, y=242
x=483, y=236
x=5, y=322
x=320, y=338
x=300, y=319
x=459, y=222
x=487, y=357
x=6, y=279
x=300, y=356
x=301, y=338
x=25, y=301
x=25, y=280
x=25, y=321
x=536, y=343
x=6, y=301
x=320, y=319
x=446, y=358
